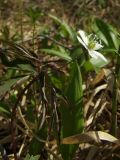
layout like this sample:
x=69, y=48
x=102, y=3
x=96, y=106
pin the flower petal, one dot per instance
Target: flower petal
x=96, y=55
x=80, y=40
x=83, y=36
x=97, y=46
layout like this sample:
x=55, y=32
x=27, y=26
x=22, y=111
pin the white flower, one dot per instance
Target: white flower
x=91, y=45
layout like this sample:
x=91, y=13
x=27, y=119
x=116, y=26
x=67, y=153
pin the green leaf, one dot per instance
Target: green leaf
x=88, y=66
x=72, y=115
x=115, y=39
x=60, y=54
x=26, y=67
x=74, y=92
x=102, y=3
x=107, y=33
x=35, y=146
x=4, y=108
x=28, y=157
x=29, y=113
x=34, y=13
x=78, y=55
x=65, y=27
x=111, y=50
x=6, y=86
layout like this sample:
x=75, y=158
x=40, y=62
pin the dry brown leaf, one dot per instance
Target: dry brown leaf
x=88, y=137
x=99, y=77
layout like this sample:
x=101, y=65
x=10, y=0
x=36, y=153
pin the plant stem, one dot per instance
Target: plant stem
x=114, y=109
x=115, y=97
x=21, y=20
x=33, y=36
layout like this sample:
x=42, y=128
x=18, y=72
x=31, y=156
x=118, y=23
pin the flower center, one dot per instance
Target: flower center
x=91, y=45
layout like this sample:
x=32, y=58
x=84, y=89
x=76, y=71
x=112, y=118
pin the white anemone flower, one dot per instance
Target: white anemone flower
x=91, y=45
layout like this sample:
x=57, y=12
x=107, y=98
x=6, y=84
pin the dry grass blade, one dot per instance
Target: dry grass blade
x=98, y=89
x=94, y=114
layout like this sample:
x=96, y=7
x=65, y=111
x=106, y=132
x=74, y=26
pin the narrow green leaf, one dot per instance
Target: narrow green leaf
x=103, y=30
x=74, y=92
x=60, y=54
x=65, y=26
x=4, y=108
x=72, y=115
x=26, y=67
x=107, y=33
